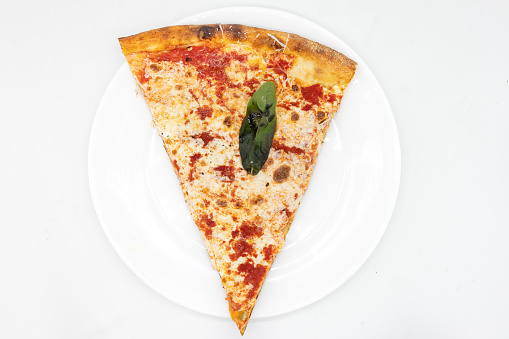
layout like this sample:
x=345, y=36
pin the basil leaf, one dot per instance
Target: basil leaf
x=258, y=128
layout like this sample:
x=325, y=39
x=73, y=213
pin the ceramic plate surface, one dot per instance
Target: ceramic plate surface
x=341, y=219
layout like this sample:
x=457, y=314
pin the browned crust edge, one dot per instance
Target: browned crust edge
x=331, y=61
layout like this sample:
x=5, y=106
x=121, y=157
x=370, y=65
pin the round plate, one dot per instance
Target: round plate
x=340, y=221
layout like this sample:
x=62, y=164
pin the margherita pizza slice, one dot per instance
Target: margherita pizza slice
x=197, y=82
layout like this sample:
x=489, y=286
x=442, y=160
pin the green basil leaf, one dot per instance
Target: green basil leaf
x=258, y=128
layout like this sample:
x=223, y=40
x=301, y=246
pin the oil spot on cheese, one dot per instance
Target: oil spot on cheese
x=228, y=121
x=221, y=203
x=281, y=174
x=321, y=116
x=257, y=200
x=155, y=67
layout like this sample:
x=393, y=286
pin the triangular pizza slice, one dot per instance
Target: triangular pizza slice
x=197, y=81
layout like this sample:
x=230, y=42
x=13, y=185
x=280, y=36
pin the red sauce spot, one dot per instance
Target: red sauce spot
x=219, y=94
x=242, y=249
x=194, y=158
x=235, y=234
x=193, y=95
x=207, y=204
x=234, y=218
x=190, y=177
x=279, y=146
x=254, y=275
x=175, y=165
x=206, y=224
x=307, y=107
x=248, y=231
x=142, y=78
x=206, y=137
x=332, y=98
x=205, y=112
x=226, y=171
x=253, y=85
x=279, y=65
x=268, y=252
x=287, y=105
x=313, y=93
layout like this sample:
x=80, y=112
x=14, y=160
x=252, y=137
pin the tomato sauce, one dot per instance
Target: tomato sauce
x=204, y=112
x=226, y=171
x=313, y=94
x=279, y=146
x=205, y=137
x=247, y=230
x=254, y=275
x=242, y=249
x=194, y=158
x=206, y=224
x=210, y=63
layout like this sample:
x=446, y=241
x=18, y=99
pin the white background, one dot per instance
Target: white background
x=440, y=271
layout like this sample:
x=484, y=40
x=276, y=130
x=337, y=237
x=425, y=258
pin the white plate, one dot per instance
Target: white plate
x=340, y=221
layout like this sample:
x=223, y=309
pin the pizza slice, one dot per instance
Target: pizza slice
x=242, y=113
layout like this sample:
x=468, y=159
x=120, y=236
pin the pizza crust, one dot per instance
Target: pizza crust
x=334, y=68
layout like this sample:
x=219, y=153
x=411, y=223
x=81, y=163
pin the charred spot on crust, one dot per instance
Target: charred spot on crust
x=155, y=67
x=299, y=46
x=276, y=44
x=281, y=173
x=206, y=32
x=295, y=117
x=237, y=33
